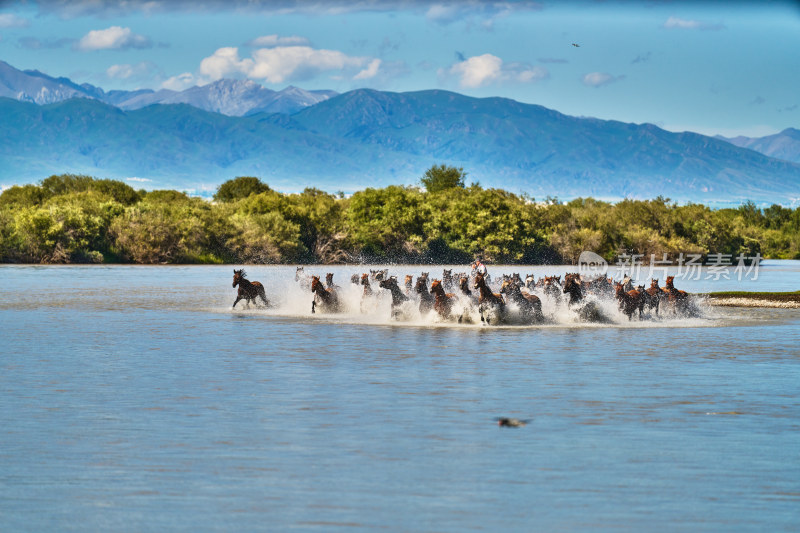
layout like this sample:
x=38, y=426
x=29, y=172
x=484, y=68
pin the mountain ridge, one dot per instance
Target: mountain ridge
x=226, y=96
x=372, y=138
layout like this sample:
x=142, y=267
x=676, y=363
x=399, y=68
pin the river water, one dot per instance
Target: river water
x=135, y=399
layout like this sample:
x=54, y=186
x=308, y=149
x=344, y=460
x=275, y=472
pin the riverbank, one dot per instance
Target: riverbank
x=786, y=300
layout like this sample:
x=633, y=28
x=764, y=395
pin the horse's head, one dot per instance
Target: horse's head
x=640, y=288
x=409, y=280
x=424, y=276
x=479, y=281
x=388, y=283
x=329, y=278
x=422, y=284
x=654, y=283
x=365, y=279
x=238, y=276
x=670, y=280
x=436, y=286
x=299, y=273
x=464, y=283
x=507, y=287
x=316, y=284
x=447, y=274
x=354, y=279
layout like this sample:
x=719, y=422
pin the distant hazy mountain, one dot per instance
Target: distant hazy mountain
x=229, y=97
x=33, y=86
x=783, y=145
x=371, y=138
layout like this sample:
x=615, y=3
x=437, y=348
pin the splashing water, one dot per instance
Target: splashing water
x=293, y=299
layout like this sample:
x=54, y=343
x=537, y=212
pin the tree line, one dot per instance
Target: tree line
x=79, y=219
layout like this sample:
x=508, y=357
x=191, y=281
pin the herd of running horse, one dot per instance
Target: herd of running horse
x=507, y=300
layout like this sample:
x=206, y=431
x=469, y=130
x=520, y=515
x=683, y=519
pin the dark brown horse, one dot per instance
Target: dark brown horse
x=327, y=299
x=379, y=275
x=573, y=287
x=443, y=302
x=530, y=306
x=629, y=301
x=391, y=285
x=465, y=292
x=426, y=300
x=329, y=282
x=248, y=290
x=491, y=304
x=677, y=300
x=448, y=281
x=654, y=295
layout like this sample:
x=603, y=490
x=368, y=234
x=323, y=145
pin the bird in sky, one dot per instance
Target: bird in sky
x=576, y=45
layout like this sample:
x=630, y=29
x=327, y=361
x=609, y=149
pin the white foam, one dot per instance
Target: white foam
x=289, y=299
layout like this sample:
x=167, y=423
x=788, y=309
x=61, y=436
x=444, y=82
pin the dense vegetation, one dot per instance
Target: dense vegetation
x=70, y=219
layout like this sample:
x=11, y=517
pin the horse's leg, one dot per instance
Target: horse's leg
x=263, y=296
x=236, y=301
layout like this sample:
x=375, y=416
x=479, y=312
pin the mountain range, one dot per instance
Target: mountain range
x=363, y=138
x=783, y=145
x=229, y=97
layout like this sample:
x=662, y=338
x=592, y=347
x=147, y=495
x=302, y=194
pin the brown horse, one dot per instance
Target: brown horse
x=530, y=306
x=367, y=286
x=443, y=302
x=327, y=299
x=677, y=300
x=248, y=290
x=629, y=301
x=572, y=286
x=654, y=295
x=409, y=283
x=552, y=287
x=491, y=303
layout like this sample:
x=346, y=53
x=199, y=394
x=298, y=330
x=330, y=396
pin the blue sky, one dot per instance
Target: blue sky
x=712, y=67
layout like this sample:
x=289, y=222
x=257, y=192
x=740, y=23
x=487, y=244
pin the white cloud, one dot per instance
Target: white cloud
x=443, y=14
x=269, y=41
x=127, y=71
x=113, y=38
x=180, y=82
x=285, y=63
x=598, y=79
x=224, y=62
x=686, y=24
x=478, y=71
x=10, y=20
x=370, y=72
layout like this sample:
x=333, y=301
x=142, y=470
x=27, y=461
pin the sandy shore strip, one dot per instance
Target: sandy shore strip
x=785, y=300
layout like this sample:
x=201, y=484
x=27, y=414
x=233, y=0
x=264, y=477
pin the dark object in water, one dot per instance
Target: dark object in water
x=505, y=422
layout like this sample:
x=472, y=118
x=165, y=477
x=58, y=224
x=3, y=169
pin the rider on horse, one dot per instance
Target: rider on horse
x=478, y=268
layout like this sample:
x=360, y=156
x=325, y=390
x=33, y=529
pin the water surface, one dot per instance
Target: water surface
x=135, y=399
